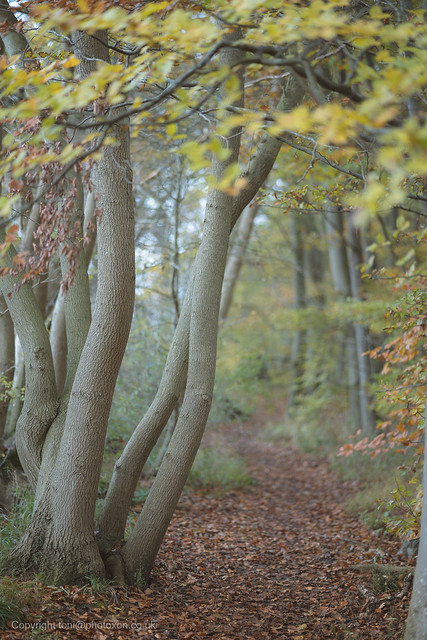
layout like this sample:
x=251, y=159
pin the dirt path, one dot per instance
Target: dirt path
x=271, y=561
x=274, y=561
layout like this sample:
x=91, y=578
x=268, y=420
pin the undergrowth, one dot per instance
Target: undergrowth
x=14, y=523
x=17, y=598
x=216, y=470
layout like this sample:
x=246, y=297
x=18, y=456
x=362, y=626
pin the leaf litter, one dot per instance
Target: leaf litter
x=280, y=558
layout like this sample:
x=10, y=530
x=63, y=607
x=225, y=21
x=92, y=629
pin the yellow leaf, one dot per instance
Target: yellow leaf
x=83, y=6
x=171, y=129
x=71, y=62
x=376, y=13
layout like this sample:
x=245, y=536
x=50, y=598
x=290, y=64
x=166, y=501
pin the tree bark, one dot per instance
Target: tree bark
x=77, y=319
x=41, y=400
x=340, y=272
x=416, y=627
x=146, y=537
x=70, y=544
x=58, y=331
x=60, y=539
x=299, y=341
x=235, y=258
x=14, y=41
x=7, y=362
x=361, y=333
x=128, y=468
x=18, y=384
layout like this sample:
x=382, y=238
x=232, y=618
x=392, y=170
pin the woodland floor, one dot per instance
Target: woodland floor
x=273, y=560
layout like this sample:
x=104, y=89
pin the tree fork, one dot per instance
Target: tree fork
x=129, y=467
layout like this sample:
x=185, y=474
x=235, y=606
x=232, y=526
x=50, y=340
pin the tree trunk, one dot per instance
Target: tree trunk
x=299, y=341
x=14, y=41
x=361, y=333
x=61, y=529
x=58, y=331
x=340, y=272
x=127, y=469
x=77, y=318
x=146, y=537
x=58, y=342
x=70, y=544
x=416, y=627
x=7, y=362
x=18, y=384
x=41, y=400
x=235, y=258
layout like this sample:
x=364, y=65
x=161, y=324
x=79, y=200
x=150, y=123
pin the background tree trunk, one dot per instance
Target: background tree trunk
x=7, y=362
x=363, y=345
x=299, y=340
x=334, y=227
x=235, y=257
x=416, y=627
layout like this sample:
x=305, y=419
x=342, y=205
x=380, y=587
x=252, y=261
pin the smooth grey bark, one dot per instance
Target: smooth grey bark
x=58, y=342
x=70, y=547
x=338, y=260
x=41, y=400
x=7, y=361
x=18, y=384
x=60, y=539
x=416, y=626
x=299, y=340
x=235, y=257
x=128, y=468
x=146, y=537
x=355, y=259
x=77, y=318
x=58, y=332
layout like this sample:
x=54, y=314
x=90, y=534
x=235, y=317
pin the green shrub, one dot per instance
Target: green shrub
x=215, y=469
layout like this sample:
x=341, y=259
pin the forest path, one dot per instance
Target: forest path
x=271, y=560
x=274, y=560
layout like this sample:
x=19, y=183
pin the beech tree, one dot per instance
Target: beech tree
x=71, y=99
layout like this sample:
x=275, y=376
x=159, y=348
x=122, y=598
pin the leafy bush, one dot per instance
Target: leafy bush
x=214, y=469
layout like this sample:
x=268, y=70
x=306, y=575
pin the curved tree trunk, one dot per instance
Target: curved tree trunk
x=146, y=537
x=128, y=468
x=58, y=331
x=70, y=542
x=60, y=539
x=77, y=318
x=41, y=400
